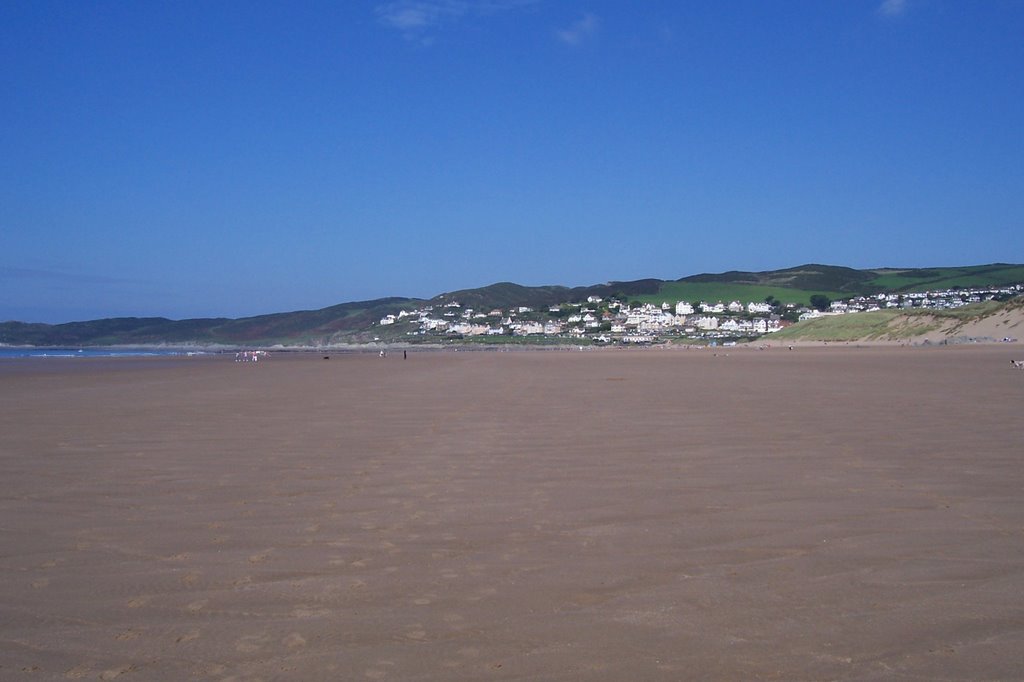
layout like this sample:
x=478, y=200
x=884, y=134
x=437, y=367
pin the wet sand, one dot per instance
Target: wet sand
x=851, y=514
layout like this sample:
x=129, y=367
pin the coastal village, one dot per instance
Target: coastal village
x=608, y=321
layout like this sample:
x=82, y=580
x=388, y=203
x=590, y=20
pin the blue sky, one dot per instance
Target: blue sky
x=190, y=159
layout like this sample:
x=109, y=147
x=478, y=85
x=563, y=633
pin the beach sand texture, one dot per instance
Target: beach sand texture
x=850, y=514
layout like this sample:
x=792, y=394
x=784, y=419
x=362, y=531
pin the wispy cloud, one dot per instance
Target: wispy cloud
x=416, y=19
x=892, y=8
x=580, y=31
x=410, y=16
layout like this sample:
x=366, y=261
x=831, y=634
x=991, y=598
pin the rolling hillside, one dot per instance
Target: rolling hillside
x=354, y=322
x=307, y=327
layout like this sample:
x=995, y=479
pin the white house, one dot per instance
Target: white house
x=706, y=322
x=755, y=308
x=684, y=308
x=526, y=328
x=432, y=324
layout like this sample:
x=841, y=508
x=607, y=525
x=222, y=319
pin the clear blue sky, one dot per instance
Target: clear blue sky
x=187, y=159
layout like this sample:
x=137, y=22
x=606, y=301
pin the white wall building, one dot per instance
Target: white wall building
x=706, y=322
x=684, y=308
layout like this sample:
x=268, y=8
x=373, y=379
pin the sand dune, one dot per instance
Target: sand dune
x=660, y=515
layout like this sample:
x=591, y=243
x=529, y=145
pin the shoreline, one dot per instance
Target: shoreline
x=172, y=350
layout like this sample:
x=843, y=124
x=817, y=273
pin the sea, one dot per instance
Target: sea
x=93, y=352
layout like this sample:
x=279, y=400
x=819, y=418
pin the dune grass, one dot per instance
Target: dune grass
x=854, y=327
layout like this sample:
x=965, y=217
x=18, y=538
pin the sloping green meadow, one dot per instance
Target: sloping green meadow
x=944, y=278
x=671, y=292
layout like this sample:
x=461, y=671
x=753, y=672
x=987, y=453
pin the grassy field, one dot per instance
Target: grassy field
x=726, y=292
x=942, y=278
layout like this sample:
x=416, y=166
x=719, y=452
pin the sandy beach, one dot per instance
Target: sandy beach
x=821, y=514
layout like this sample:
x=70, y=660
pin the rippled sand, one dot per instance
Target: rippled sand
x=662, y=515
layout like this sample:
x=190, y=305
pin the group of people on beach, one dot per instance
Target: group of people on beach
x=250, y=355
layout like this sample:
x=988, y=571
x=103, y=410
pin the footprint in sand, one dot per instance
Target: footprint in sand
x=128, y=635
x=190, y=579
x=197, y=605
x=294, y=641
x=114, y=673
x=187, y=637
x=78, y=672
x=260, y=557
x=40, y=583
x=138, y=602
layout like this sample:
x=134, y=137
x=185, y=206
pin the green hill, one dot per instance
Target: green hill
x=813, y=278
x=301, y=327
x=507, y=294
x=798, y=284
x=946, y=278
x=355, y=321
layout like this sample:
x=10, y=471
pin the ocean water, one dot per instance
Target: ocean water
x=91, y=352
